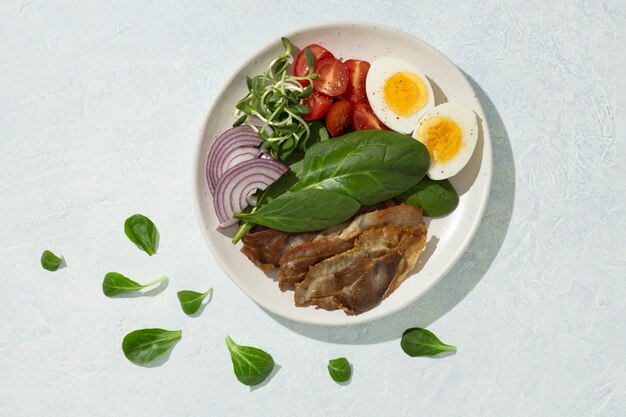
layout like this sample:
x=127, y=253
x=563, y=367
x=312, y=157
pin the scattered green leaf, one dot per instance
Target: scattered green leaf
x=142, y=232
x=143, y=346
x=339, y=369
x=115, y=283
x=190, y=301
x=50, y=261
x=421, y=342
x=251, y=365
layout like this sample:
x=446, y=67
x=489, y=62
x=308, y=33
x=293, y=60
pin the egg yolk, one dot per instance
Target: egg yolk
x=442, y=136
x=405, y=93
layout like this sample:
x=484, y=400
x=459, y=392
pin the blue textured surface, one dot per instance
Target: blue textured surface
x=100, y=107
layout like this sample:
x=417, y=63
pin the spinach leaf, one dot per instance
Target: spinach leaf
x=303, y=211
x=369, y=165
x=319, y=133
x=143, y=346
x=421, y=342
x=339, y=369
x=50, y=261
x=251, y=365
x=142, y=232
x=115, y=283
x=434, y=197
x=190, y=301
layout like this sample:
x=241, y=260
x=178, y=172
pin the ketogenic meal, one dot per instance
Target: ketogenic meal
x=330, y=166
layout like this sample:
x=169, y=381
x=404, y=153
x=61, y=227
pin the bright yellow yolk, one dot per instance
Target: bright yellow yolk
x=405, y=93
x=442, y=136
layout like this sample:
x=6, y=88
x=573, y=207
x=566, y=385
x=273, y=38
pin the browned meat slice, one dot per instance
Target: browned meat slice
x=358, y=279
x=267, y=246
x=264, y=248
x=352, y=266
x=295, y=262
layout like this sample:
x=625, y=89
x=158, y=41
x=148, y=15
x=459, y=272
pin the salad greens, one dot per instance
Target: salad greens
x=421, y=342
x=190, y=301
x=142, y=232
x=251, y=365
x=143, y=346
x=304, y=211
x=115, y=283
x=339, y=369
x=337, y=176
x=368, y=165
x=51, y=262
x=274, y=98
x=434, y=197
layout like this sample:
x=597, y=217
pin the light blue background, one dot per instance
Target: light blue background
x=101, y=104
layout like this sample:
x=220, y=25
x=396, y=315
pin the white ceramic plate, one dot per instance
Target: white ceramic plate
x=448, y=236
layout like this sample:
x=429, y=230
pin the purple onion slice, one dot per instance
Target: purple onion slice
x=238, y=183
x=226, y=151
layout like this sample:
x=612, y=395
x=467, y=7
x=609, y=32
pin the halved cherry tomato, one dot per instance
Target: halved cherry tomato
x=318, y=105
x=339, y=118
x=364, y=118
x=357, y=73
x=333, y=77
x=300, y=69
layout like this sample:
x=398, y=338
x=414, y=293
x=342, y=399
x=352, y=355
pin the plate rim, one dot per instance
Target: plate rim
x=487, y=156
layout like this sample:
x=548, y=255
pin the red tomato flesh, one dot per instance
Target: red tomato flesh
x=333, y=77
x=364, y=118
x=318, y=105
x=357, y=73
x=339, y=118
x=300, y=68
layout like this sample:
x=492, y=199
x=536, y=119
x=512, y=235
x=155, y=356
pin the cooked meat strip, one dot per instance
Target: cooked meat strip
x=352, y=266
x=332, y=275
x=389, y=271
x=264, y=247
x=295, y=262
x=267, y=246
x=358, y=279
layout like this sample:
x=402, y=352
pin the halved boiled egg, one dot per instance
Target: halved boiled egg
x=398, y=92
x=449, y=131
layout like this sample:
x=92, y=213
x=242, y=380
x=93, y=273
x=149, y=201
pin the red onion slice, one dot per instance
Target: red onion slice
x=222, y=227
x=238, y=156
x=220, y=156
x=238, y=183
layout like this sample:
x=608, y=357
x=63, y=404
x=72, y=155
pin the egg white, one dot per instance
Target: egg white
x=379, y=72
x=465, y=118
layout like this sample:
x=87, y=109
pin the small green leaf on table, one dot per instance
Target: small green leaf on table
x=251, y=365
x=145, y=345
x=115, y=283
x=339, y=369
x=142, y=232
x=51, y=262
x=421, y=342
x=190, y=301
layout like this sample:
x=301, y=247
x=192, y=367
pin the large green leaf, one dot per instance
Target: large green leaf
x=304, y=211
x=369, y=165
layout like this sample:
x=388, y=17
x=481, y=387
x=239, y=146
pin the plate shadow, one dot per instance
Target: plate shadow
x=466, y=273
